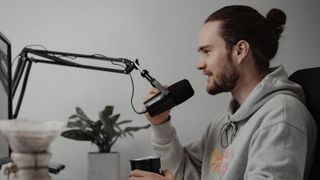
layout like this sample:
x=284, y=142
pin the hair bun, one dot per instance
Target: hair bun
x=278, y=18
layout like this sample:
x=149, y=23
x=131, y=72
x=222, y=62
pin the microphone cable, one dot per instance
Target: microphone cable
x=132, y=92
x=132, y=85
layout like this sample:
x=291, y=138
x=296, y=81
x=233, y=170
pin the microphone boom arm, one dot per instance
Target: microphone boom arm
x=64, y=59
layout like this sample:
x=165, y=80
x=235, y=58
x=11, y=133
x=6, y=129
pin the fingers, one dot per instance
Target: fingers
x=153, y=90
x=138, y=173
x=160, y=118
x=144, y=175
x=135, y=178
x=151, y=93
x=168, y=175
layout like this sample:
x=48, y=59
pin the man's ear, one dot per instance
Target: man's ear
x=240, y=51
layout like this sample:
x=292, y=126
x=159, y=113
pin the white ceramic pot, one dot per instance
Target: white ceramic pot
x=103, y=166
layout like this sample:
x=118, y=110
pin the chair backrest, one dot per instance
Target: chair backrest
x=309, y=80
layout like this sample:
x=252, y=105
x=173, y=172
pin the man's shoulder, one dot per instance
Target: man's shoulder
x=286, y=103
x=287, y=109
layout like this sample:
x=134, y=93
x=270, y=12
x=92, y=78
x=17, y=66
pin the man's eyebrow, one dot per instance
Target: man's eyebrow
x=201, y=48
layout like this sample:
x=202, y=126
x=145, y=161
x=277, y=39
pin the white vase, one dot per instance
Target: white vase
x=103, y=166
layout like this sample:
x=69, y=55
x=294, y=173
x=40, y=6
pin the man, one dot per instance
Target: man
x=266, y=133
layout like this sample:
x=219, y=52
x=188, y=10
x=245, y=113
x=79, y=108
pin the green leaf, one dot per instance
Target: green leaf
x=76, y=124
x=130, y=134
x=73, y=116
x=123, y=122
x=114, y=118
x=77, y=135
x=81, y=118
x=121, y=131
x=129, y=129
x=81, y=112
x=97, y=126
x=107, y=112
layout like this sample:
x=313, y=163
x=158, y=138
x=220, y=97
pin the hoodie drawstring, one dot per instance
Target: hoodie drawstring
x=226, y=138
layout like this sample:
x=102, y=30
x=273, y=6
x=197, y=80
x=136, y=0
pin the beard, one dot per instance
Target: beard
x=226, y=80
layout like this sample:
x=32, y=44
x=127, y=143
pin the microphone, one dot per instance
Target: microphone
x=177, y=94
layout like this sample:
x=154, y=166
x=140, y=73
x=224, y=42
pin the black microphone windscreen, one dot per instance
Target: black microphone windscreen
x=181, y=91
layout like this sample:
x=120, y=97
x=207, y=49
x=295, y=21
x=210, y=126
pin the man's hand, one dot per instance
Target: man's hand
x=160, y=118
x=145, y=175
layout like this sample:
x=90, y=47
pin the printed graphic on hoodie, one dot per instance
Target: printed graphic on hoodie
x=220, y=160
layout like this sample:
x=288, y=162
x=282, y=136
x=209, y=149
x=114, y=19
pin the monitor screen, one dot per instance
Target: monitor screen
x=5, y=92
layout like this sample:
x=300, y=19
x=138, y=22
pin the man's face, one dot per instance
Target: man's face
x=215, y=60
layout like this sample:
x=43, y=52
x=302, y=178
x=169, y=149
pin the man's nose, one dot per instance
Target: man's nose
x=201, y=64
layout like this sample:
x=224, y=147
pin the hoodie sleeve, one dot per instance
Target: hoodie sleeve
x=184, y=162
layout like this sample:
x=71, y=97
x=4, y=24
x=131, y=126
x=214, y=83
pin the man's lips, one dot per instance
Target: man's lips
x=207, y=73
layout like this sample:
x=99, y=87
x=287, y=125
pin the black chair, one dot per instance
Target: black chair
x=309, y=80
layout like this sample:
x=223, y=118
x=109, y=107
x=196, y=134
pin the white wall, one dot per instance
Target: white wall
x=161, y=34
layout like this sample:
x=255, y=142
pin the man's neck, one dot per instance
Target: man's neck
x=248, y=82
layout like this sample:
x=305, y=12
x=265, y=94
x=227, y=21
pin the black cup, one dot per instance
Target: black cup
x=151, y=164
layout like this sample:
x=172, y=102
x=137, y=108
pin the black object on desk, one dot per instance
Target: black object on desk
x=55, y=168
x=151, y=164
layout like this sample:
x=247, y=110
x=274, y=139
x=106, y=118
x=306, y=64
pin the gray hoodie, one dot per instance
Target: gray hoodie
x=270, y=136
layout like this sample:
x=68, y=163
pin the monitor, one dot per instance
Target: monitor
x=5, y=93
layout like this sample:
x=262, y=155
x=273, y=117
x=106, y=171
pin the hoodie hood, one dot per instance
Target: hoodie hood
x=274, y=83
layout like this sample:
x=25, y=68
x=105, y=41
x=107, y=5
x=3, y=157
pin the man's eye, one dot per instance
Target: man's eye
x=206, y=52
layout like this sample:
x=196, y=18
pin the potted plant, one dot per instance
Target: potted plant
x=104, y=133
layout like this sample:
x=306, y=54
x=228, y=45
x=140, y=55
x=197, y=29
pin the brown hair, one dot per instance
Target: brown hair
x=245, y=23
